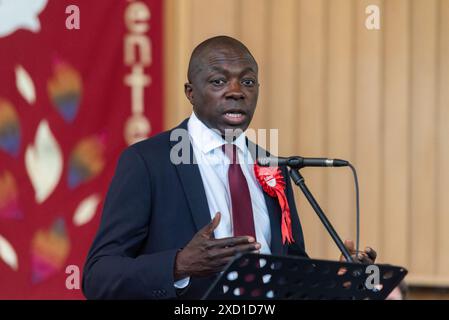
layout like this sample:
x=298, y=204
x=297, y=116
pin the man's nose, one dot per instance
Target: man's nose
x=234, y=90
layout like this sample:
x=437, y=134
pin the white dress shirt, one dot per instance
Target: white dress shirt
x=213, y=165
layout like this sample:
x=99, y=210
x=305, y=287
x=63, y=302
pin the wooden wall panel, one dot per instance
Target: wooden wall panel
x=443, y=145
x=423, y=135
x=253, y=30
x=340, y=119
x=368, y=115
x=282, y=59
x=178, y=46
x=310, y=103
x=396, y=138
x=378, y=98
x=215, y=18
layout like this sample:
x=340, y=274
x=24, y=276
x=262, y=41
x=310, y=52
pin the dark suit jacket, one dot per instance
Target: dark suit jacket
x=152, y=209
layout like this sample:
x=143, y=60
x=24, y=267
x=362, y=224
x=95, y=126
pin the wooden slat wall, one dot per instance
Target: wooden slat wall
x=340, y=118
x=309, y=69
x=423, y=136
x=396, y=136
x=368, y=114
x=443, y=145
x=379, y=98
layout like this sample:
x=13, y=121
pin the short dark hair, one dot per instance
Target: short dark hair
x=214, y=43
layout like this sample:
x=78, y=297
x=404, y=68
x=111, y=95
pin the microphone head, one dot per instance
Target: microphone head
x=300, y=162
x=340, y=163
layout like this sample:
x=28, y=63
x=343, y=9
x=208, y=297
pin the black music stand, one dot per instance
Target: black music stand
x=268, y=277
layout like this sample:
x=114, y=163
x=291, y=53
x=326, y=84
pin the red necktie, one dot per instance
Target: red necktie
x=242, y=210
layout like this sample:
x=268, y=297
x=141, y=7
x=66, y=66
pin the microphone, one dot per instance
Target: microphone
x=300, y=162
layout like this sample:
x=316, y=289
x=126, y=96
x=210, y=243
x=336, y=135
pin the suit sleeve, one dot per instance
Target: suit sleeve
x=297, y=248
x=114, y=268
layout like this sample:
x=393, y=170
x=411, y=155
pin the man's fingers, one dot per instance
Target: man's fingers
x=232, y=251
x=230, y=242
x=350, y=245
x=209, y=228
x=371, y=253
x=363, y=258
x=341, y=271
x=216, y=221
x=367, y=256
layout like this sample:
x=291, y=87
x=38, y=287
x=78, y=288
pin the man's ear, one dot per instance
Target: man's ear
x=188, y=90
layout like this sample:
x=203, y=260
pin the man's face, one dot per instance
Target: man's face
x=224, y=89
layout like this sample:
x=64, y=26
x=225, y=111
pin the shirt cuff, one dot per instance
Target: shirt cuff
x=181, y=284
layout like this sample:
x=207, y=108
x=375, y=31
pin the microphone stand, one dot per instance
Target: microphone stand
x=298, y=179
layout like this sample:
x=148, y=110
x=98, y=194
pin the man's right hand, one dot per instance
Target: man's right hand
x=204, y=255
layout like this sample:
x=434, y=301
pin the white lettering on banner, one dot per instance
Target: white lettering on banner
x=137, y=56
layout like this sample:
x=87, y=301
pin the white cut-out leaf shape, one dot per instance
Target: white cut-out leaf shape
x=43, y=162
x=86, y=210
x=20, y=14
x=25, y=85
x=7, y=254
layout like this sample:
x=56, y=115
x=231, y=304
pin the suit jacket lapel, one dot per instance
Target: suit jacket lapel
x=277, y=248
x=191, y=181
x=274, y=210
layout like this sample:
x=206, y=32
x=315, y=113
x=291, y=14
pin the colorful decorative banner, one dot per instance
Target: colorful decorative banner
x=79, y=81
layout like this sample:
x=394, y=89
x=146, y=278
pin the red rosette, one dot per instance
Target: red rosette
x=272, y=182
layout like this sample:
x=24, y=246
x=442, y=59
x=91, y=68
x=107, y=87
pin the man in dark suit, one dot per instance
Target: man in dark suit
x=169, y=227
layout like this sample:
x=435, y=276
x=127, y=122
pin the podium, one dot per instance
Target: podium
x=269, y=277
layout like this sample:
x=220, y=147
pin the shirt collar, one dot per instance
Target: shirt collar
x=206, y=139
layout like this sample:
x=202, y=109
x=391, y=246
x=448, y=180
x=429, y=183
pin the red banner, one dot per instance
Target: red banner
x=79, y=81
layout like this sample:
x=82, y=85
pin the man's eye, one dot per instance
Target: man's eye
x=218, y=82
x=249, y=82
